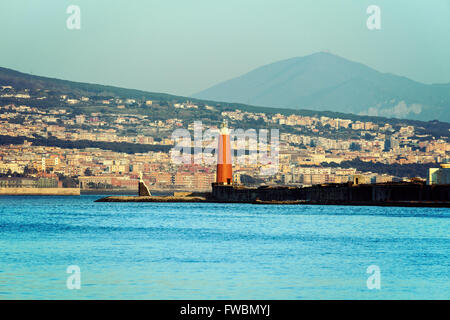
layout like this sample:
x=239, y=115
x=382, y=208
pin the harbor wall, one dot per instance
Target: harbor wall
x=40, y=191
x=345, y=193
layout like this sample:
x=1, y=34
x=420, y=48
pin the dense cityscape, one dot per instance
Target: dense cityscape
x=76, y=143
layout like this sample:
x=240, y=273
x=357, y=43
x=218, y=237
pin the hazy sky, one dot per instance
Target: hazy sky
x=182, y=47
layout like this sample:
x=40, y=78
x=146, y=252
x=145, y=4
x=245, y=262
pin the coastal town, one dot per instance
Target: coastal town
x=76, y=143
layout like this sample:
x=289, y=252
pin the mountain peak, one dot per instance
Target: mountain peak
x=326, y=82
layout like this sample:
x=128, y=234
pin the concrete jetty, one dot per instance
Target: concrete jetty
x=40, y=191
x=152, y=199
x=399, y=194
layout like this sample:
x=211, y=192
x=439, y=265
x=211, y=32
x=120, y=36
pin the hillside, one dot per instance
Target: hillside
x=51, y=89
x=323, y=81
x=21, y=80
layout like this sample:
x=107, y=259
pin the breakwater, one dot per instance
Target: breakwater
x=40, y=191
x=151, y=199
x=369, y=194
x=401, y=194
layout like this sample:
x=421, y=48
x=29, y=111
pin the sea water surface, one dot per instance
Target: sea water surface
x=220, y=251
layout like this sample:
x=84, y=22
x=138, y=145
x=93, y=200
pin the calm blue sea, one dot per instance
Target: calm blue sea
x=220, y=251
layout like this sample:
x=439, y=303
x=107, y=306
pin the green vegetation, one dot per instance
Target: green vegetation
x=125, y=147
x=398, y=170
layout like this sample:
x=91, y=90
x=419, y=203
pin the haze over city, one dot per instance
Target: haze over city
x=183, y=47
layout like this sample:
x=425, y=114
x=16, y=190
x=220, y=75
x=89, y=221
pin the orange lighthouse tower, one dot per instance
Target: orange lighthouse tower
x=224, y=170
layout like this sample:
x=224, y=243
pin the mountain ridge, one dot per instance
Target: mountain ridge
x=20, y=81
x=323, y=81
